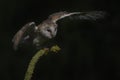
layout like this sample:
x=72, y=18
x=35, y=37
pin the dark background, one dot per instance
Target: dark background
x=90, y=50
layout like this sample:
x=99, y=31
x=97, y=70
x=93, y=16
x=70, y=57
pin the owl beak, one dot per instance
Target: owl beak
x=52, y=35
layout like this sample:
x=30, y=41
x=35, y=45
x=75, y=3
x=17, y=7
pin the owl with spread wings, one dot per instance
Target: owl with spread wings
x=47, y=29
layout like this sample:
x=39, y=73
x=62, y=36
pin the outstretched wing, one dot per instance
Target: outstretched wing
x=93, y=15
x=23, y=34
x=59, y=15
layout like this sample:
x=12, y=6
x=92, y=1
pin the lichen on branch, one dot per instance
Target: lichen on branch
x=36, y=57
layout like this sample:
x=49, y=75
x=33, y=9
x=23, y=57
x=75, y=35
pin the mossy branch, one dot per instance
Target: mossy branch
x=35, y=59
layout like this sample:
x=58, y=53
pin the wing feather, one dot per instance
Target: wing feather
x=19, y=35
x=92, y=15
x=59, y=15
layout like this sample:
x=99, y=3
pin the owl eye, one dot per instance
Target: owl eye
x=48, y=30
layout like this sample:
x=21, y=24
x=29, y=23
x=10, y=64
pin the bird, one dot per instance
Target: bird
x=47, y=29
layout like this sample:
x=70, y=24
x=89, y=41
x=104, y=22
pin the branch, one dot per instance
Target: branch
x=35, y=59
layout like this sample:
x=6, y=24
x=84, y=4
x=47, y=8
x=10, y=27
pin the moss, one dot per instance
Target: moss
x=35, y=59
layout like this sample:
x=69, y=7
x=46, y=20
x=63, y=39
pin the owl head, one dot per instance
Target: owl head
x=48, y=30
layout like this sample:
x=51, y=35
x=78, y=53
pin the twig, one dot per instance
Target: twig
x=35, y=59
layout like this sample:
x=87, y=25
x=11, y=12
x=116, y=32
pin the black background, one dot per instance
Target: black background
x=90, y=51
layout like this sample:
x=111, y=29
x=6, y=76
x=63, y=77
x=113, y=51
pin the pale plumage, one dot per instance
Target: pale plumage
x=48, y=28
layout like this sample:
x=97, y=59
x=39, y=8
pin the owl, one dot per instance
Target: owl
x=46, y=30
